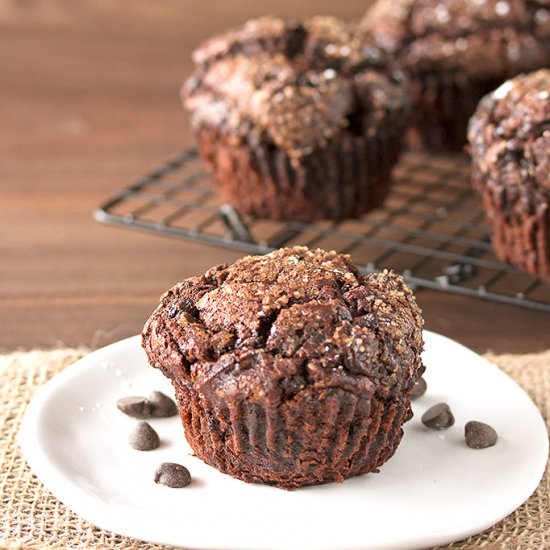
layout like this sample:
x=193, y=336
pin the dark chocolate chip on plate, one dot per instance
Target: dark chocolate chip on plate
x=137, y=407
x=479, y=435
x=161, y=405
x=438, y=417
x=419, y=388
x=144, y=437
x=172, y=475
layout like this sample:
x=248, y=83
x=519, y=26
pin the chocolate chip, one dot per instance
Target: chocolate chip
x=172, y=475
x=173, y=312
x=161, y=405
x=144, y=438
x=137, y=407
x=291, y=385
x=188, y=306
x=479, y=435
x=419, y=388
x=438, y=417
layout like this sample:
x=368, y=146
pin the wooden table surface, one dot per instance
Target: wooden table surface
x=88, y=102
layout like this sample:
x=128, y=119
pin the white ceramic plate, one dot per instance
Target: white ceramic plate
x=433, y=491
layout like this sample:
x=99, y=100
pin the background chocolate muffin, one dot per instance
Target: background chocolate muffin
x=510, y=145
x=293, y=120
x=290, y=369
x=456, y=51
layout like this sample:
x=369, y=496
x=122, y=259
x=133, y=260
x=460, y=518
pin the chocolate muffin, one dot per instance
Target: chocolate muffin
x=455, y=52
x=509, y=139
x=294, y=121
x=290, y=369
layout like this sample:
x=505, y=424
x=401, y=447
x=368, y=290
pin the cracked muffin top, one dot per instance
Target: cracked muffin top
x=485, y=38
x=510, y=133
x=295, y=84
x=268, y=327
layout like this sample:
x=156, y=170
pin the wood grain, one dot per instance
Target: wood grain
x=88, y=102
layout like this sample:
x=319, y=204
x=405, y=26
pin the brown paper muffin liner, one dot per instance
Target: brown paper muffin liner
x=317, y=437
x=348, y=177
x=442, y=106
x=520, y=225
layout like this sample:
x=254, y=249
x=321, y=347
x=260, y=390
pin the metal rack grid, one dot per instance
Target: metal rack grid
x=430, y=229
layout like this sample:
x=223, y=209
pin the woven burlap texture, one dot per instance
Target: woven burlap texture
x=32, y=518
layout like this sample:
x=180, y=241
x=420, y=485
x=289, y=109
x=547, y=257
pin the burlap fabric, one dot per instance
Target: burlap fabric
x=32, y=518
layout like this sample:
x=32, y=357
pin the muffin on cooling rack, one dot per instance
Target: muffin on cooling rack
x=290, y=369
x=294, y=121
x=456, y=51
x=509, y=139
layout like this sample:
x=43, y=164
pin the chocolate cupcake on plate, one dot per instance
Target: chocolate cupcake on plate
x=455, y=52
x=294, y=120
x=509, y=139
x=290, y=369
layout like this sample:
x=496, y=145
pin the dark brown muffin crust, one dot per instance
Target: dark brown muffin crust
x=290, y=369
x=456, y=51
x=276, y=101
x=509, y=139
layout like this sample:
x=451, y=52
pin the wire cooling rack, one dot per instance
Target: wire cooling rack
x=430, y=229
